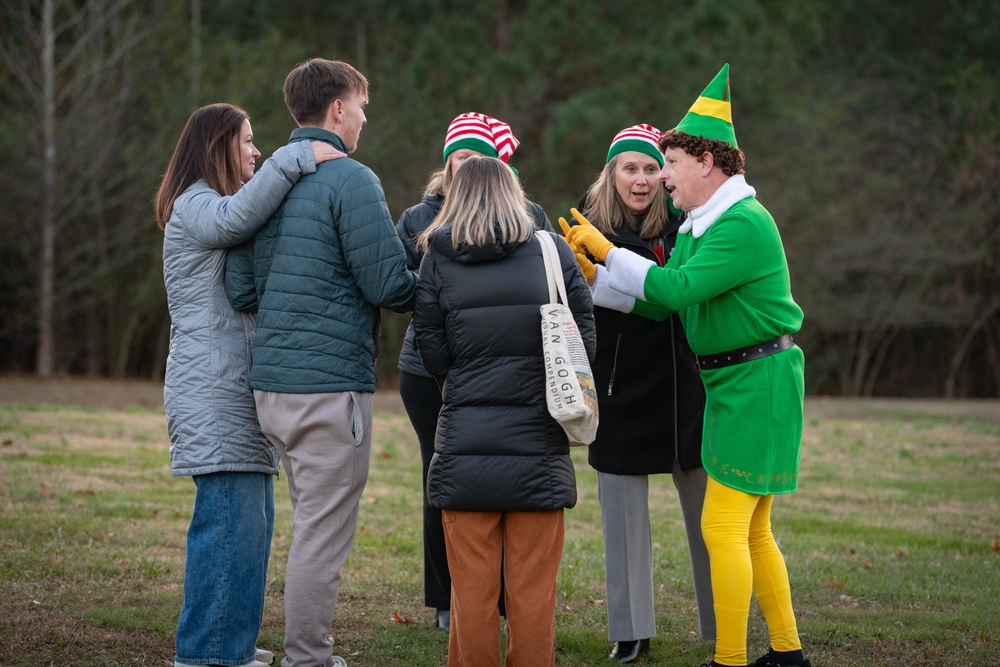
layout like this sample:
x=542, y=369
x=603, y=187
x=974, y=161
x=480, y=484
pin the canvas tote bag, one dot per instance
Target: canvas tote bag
x=570, y=392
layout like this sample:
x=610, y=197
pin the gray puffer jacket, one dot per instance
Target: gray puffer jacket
x=211, y=416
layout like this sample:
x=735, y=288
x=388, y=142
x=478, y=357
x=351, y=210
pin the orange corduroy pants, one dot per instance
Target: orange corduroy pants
x=528, y=547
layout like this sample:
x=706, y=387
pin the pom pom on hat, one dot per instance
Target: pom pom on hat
x=640, y=138
x=711, y=115
x=480, y=133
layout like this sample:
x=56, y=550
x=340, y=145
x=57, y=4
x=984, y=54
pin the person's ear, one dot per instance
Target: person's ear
x=334, y=111
x=707, y=162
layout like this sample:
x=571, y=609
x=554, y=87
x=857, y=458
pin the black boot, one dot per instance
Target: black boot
x=629, y=651
x=781, y=659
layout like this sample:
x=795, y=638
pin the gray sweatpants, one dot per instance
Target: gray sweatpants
x=628, y=552
x=325, y=445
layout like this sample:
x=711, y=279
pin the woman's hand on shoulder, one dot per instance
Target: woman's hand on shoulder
x=323, y=151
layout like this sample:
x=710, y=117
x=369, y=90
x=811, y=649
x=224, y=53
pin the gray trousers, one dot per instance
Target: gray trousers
x=325, y=445
x=628, y=552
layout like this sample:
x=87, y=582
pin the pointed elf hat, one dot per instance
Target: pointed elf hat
x=480, y=133
x=711, y=115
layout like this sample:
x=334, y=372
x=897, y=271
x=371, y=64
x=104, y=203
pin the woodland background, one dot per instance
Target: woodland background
x=872, y=130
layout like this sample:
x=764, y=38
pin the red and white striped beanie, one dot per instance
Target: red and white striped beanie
x=480, y=133
x=641, y=138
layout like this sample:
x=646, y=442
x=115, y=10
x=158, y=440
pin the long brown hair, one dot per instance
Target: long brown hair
x=606, y=210
x=485, y=205
x=204, y=151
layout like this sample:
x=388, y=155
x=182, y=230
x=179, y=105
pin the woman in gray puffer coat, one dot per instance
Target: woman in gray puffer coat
x=501, y=471
x=203, y=208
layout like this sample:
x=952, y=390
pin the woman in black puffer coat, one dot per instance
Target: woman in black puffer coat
x=469, y=135
x=501, y=471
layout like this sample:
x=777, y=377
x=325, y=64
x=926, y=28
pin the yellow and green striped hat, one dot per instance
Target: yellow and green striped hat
x=711, y=115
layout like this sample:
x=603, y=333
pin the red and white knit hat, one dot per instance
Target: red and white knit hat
x=480, y=133
x=641, y=138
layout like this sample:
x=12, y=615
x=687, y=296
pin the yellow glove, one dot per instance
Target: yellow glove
x=586, y=236
x=586, y=265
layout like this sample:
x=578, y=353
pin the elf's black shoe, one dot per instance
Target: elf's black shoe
x=629, y=651
x=775, y=659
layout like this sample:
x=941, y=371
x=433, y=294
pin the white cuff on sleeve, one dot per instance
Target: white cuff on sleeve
x=627, y=272
x=605, y=297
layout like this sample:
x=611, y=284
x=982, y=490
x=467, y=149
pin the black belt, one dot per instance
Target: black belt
x=744, y=354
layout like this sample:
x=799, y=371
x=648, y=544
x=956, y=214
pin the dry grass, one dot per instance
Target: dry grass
x=892, y=541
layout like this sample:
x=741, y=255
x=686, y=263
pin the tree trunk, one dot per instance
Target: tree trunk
x=44, y=361
x=875, y=366
x=195, y=53
x=963, y=346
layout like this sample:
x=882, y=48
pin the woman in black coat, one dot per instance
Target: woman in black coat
x=469, y=135
x=651, y=399
x=501, y=471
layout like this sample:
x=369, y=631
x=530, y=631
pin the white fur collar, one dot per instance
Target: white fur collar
x=734, y=189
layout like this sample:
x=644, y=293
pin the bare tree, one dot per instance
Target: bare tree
x=68, y=58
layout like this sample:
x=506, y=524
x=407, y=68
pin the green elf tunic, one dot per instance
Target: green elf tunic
x=728, y=280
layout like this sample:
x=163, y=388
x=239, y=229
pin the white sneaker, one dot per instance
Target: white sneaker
x=264, y=656
x=252, y=663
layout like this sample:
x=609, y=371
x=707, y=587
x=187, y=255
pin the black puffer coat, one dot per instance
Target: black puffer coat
x=650, y=396
x=411, y=224
x=478, y=329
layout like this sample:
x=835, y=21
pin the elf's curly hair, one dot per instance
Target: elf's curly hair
x=727, y=157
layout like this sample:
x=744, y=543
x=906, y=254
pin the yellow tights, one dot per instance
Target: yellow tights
x=744, y=557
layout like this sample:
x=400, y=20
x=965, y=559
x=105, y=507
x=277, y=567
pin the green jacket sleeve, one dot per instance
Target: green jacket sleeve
x=651, y=311
x=372, y=250
x=725, y=259
x=239, y=278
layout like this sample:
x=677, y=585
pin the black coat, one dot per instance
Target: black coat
x=411, y=224
x=651, y=399
x=478, y=329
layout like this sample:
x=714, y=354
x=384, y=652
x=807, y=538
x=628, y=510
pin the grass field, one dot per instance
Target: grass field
x=892, y=542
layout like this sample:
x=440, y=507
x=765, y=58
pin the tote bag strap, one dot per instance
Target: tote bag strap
x=553, y=270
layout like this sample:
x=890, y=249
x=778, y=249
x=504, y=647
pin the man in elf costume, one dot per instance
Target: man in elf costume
x=728, y=280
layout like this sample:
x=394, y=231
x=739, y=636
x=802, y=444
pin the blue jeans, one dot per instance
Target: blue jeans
x=228, y=546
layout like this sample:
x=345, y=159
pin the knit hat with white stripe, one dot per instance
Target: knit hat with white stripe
x=640, y=138
x=480, y=133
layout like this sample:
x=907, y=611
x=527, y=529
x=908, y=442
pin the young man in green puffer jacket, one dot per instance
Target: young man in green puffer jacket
x=317, y=274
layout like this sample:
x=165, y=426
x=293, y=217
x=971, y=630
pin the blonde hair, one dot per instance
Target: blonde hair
x=606, y=210
x=439, y=182
x=485, y=205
